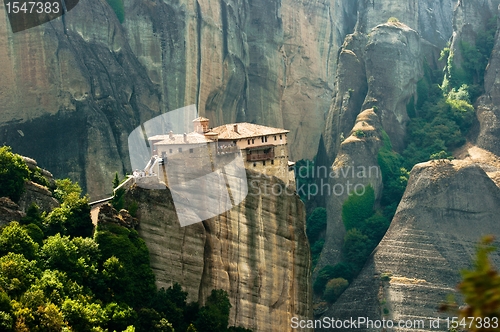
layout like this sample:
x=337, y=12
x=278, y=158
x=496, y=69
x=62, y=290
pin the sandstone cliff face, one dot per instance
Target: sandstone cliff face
x=357, y=167
x=73, y=89
x=446, y=209
x=378, y=70
x=488, y=112
x=257, y=252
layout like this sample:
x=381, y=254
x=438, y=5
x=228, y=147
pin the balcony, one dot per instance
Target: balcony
x=258, y=155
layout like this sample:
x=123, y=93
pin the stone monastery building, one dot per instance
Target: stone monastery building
x=263, y=149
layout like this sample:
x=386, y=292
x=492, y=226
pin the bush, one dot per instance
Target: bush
x=13, y=173
x=357, y=247
x=358, y=208
x=118, y=8
x=341, y=270
x=316, y=224
x=214, y=316
x=14, y=238
x=375, y=227
x=334, y=288
x=131, y=251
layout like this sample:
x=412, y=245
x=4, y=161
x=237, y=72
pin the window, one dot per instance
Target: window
x=272, y=162
x=180, y=149
x=254, y=164
x=275, y=137
x=191, y=150
x=281, y=136
x=263, y=163
x=253, y=141
x=169, y=150
x=163, y=154
x=262, y=139
x=248, y=142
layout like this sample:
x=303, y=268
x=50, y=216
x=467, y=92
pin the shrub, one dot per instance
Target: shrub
x=358, y=208
x=357, y=247
x=334, y=288
x=13, y=173
x=316, y=223
x=340, y=270
x=14, y=238
x=375, y=227
x=118, y=8
x=359, y=133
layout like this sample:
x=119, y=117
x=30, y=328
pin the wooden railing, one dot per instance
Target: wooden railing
x=260, y=156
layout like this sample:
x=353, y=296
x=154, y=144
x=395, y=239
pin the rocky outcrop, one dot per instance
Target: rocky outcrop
x=257, y=252
x=39, y=195
x=446, y=209
x=354, y=168
x=107, y=214
x=380, y=70
x=488, y=112
x=470, y=18
x=9, y=211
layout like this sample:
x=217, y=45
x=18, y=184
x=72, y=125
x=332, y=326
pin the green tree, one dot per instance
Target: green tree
x=357, y=208
x=14, y=238
x=67, y=190
x=118, y=8
x=13, y=173
x=316, y=223
x=357, y=247
x=120, y=316
x=17, y=274
x=116, y=181
x=334, y=288
x=82, y=316
x=73, y=216
x=171, y=303
x=214, y=316
x=131, y=251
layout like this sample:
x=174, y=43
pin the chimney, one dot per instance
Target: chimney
x=185, y=138
x=171, y=134
x=235, y=128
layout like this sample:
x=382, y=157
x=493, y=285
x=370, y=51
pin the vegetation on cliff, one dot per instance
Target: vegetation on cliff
x=58, y=274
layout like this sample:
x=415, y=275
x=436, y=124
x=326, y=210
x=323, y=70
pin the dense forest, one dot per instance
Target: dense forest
x=58, y=273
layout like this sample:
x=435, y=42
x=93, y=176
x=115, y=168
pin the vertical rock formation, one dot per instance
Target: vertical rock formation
x=378, y=70
x=446, y=209
x=488, y=112
x=257, y=251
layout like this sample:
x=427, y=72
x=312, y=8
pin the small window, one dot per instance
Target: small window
x=263, y=163
x=248, y=142
x=272, y=162
x=253, y=141
x=281, y=136
x=180, y=149
x=169, y=150
x=262, y=139
x=275, y=137
x=191, y=150
x=254, y=164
